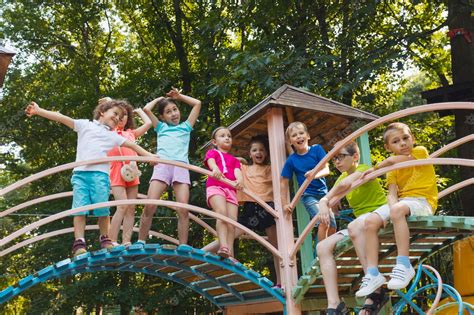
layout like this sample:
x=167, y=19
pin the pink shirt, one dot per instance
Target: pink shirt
x=226, y=163
x=129, y=135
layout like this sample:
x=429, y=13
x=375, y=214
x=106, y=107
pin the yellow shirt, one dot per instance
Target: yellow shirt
x=417, y=181
x=257, y=179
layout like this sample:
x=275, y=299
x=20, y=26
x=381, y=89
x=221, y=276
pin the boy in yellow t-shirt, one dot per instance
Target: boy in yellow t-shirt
x=411, y=191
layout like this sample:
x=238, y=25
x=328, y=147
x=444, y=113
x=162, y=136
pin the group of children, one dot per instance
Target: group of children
x=411, y=191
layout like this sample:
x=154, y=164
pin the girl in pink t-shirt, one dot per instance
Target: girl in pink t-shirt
x=120, y=188
x=222, y=198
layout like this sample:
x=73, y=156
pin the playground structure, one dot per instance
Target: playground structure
x=232, y=286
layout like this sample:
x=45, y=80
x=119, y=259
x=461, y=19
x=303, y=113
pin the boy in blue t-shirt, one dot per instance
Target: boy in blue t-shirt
x=300, y=163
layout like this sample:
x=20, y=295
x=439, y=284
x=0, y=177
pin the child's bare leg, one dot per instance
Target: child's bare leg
x=213, y=247
x=373, y=223
x=325, y=249
x=357, y=235
x=79, y=226
x=155, y=191
x=129, y=218
x=373, y=280
x=104, y=225
x=182, y=195
x=232, y=211
x=398, y=214
x=272, y=238
x=120, y=193
x=218, y=204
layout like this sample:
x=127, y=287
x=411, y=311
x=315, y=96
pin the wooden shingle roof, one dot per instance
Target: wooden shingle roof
x=328, y=121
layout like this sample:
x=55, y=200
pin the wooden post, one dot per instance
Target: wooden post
x=284, y=225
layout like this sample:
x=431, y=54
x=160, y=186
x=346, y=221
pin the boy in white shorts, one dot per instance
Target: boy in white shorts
x=411, y=191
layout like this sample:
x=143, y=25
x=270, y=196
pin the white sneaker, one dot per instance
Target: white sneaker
x=400, y=277
x=370, y=284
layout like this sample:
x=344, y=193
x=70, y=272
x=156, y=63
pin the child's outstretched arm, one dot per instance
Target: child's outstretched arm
x=388, y=162
x=140, y=131
x=33, y=109
x=216, y=172
x=239, y=178
x=135, y=147
x=148, y=109
x=334, y=196
x=322, y=173
x=191, y=101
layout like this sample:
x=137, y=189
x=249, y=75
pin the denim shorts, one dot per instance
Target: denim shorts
x=90, y=187
x=311, y=203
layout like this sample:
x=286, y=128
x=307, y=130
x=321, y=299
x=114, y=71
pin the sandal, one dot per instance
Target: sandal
x=378, y=299
x=341, y=309
x=223, y=252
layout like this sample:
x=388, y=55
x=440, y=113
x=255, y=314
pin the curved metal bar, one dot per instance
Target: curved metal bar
x=193, y=217
x=169, y=204
x=69, y=194
x=372, y=125
x=70, y=230
x=452, y=145
x=438, y=292
x=453, y=188
x=34, y=202
x=190, y=167
x=377, y=173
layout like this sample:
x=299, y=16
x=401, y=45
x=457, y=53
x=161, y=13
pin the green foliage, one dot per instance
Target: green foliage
x=228, y=54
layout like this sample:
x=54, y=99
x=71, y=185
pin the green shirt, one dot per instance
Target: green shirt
x=365, y=198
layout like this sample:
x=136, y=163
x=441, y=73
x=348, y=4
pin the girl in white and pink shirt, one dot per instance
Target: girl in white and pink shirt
x=222, y=198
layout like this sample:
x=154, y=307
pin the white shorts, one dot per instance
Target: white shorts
x=418, y=206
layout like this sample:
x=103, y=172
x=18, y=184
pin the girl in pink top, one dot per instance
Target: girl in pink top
x=221, y=197
x=120, y=188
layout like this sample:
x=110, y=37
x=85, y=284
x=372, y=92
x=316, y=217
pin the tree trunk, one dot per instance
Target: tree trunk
x=462, y=59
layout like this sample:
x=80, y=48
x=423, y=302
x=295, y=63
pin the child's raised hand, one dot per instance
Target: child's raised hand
x=174, y=93
x=307, y=174
x=32, y=109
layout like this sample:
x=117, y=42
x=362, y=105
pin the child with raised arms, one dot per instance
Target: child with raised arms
x=362, y=200
x=172, y=144
x=91, y=182
x=221, y=197
x=300, y=163
x=411, y=191
x=121, y=188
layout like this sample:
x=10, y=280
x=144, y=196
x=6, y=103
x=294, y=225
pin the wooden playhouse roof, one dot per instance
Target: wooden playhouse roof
x=328, y=121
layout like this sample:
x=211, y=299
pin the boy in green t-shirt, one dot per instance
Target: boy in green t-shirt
x=363, y=200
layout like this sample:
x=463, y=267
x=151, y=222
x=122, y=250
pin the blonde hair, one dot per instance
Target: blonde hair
x=395, y=126
x=294, y=125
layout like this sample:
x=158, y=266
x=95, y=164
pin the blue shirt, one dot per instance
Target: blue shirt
x=173, y=141
x=299, y=164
